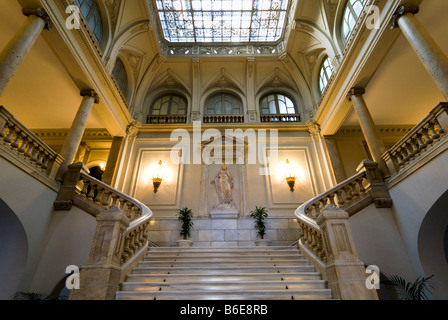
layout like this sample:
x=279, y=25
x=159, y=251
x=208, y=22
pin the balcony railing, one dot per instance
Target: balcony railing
x=280, y=117
x=234, y=118
x=166, y=119
x=25, y=148
x=419, y=140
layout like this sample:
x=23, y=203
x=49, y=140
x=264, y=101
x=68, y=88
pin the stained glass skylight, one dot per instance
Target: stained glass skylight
x=226, y=21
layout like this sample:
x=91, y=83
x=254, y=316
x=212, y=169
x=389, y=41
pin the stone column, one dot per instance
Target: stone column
x=374, y=142
x=432, y=57
x=335, y=159
x=112, y=160
x=18, y=47
x=76, y=132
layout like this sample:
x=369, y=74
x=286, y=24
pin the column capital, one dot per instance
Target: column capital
x=90, y=93
x=355, y=92
x=41, y=13
x=401, y=11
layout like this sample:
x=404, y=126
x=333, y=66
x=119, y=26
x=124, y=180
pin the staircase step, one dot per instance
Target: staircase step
x=228, y=273
x=221, y=256
x=223, y=286
x=311, y=294
x=199, y=278
x=229, y=263
x=221, y=270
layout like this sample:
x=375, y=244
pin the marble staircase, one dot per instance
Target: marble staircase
x=235, y=273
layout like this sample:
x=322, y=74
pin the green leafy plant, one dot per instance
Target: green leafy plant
x=259, y=215
x=185, y=216
x=418, y=290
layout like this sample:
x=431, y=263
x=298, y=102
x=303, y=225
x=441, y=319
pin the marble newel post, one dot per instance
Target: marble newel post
x=18, y=47
x=373, y=139
x=432, y=57
x=76, y=132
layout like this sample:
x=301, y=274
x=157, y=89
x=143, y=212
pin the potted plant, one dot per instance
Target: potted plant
x=185, y=216
x=259, y=215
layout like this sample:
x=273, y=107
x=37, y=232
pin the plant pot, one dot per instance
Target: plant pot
x=184, y=243
x=263, y=243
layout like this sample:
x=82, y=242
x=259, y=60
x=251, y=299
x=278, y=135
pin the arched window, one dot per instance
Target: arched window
x=223, y=104
x=121, y=76
x=91, y=12
x=170, y=108
x=277, y=107
x=326, y=70
x=352, y=11
x=169, y=105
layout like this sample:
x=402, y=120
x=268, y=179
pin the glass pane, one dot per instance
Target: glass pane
x=222, y=20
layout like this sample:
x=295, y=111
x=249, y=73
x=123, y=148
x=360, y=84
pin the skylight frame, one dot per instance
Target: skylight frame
x=184, y=16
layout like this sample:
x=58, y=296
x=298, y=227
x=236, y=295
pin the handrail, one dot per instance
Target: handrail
x=280, y=117
x=26, y=146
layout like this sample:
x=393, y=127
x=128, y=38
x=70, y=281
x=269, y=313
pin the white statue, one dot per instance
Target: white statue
x=223, y=185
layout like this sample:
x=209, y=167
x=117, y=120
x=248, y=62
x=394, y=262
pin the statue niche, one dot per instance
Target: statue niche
x=224, y=189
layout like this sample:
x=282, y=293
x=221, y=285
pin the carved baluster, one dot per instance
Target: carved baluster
x=421, y=144
x=434, y=134
x=428, y=140
x=10, y=135
x=18, y=138
x=105, y=201
x=340, y=195
x=3, y=132
x=35, y=156
x=85, y=189
x=91, y=195
x=348, y=194
x=45, y=160
x=360, y=183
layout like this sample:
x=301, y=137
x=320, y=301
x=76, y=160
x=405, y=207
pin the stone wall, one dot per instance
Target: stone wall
x=209, y=232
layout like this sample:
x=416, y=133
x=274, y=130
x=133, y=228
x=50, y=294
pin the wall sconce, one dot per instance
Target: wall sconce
x=158, y=176
x=290, y=175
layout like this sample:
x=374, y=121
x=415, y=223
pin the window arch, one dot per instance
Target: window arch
x=91, y=12
x=121, y=76
x=277, y=107
x=170, y=104
x=326, y=70
x=169, y=108
x=223, y=104
x=351, y=14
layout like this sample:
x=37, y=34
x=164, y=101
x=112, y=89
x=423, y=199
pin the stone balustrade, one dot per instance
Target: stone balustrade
x=223, y=118
x=419, y=140
x=280, y=117
x=121, y=236
x=20, y=143
x=167, y=119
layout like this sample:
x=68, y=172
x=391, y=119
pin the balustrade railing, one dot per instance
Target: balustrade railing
x=419, y=140
x=280, y=117
x=166, y=119
x=19, y=142
x=121, y=236
x=234, y=118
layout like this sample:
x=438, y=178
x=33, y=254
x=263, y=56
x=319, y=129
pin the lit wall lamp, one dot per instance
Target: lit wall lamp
x=290, y=175
x=158, y=176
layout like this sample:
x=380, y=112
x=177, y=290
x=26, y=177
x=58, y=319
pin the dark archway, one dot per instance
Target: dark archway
x=13, y=251
x=432, y=246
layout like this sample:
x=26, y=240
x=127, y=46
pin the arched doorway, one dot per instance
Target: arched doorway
x=13, y=251
x=433, y=246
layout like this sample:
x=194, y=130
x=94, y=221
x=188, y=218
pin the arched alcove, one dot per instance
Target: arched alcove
x=432, y=246
x=13, y=251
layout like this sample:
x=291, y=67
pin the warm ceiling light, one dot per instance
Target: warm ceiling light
x=289, y=175
x=158, y=175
